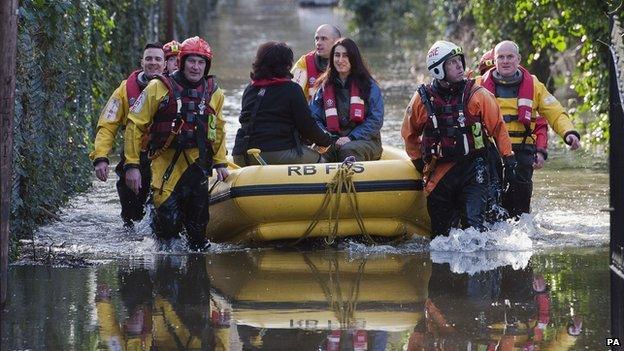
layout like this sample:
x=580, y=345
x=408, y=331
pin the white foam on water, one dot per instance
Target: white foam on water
x=415, y=245
x=503, y=236
x=482, y=261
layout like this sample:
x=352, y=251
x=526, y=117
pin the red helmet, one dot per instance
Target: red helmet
x=195, y=46
x=486, y=62
x=172, y=48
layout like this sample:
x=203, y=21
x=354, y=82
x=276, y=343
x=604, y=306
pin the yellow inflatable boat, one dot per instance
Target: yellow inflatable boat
x=280, y=202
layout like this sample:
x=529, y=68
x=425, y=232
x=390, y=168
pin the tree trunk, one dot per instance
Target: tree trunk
x=169, y=14
x=8, y=33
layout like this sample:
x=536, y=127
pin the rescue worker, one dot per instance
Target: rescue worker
x=178, y=119
x=113, y=116
x=522, y=97
x=446, y=129
x=310, y=66
x=495, y=210
x=540, y=132
x=171, y=49
x=275, y=114
x=349, y=105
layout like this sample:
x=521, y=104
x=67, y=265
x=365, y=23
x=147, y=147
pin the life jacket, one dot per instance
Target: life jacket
x=133, y=89
x=356, y=109
x=184, y=112
x=311, y=69
x=525, y=96
x=451, y=132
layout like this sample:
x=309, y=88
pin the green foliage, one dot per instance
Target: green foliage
x=71, y=55
x=545, y=30
x=549, y=29
x=376, y=21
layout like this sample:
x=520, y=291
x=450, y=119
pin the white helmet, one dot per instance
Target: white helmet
x=439, y=52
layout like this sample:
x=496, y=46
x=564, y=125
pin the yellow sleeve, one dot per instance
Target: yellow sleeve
x=300, y=74
x=108, y=326
x=550, y=108
x=218, y=145
x=140, y=118
x=112, y=116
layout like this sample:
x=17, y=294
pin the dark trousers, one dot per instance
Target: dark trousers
x=460, y=197
x=362, y=150
x=517, y=198
x=133, y=205
x=186, y=206
x=495, y=211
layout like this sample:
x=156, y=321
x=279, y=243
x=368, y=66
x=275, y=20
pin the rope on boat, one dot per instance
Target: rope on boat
x=341, y=183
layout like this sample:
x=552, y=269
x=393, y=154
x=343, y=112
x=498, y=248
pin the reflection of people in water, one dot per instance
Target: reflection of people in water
x=501, y=309
x=135, y=333
x=182, y=303
x=169, y=310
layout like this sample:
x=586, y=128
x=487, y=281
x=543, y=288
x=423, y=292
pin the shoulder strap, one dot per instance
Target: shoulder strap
x=424, y=96
x=252, y=118
x=205, y=151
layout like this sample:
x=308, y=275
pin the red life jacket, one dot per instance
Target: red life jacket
x=525, y=94
x=356, y=109
x=133, y=90
x=184, y=110
x=452, y=139
x=311, y=69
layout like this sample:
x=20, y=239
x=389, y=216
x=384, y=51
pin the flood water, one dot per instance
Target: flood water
x=321, y=300
x=516, y=286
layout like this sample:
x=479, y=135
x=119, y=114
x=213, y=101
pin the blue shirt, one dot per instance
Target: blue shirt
x=371, y=126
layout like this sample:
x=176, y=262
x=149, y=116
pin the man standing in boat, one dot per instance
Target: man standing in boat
x=178, y=119
x=446, y=129
x=522, y=97
x=310, y=66
x=113, y=116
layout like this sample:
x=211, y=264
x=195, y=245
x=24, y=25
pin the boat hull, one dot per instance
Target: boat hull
x=279, y=202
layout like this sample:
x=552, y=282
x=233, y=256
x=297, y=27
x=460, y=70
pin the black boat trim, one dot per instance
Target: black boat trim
x=314, y=188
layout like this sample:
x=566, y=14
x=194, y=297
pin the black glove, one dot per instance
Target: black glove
x=419, y=164
x=510, y=169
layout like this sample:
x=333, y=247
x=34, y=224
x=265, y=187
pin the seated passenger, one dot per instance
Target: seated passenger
x=275, y=114
x=349, y=105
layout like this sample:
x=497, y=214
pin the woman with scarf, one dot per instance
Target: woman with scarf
x=275, y=115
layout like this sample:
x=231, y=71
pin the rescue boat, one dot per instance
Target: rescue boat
x=283, y=202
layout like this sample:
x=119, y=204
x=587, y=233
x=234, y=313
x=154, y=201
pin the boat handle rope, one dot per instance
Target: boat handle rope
x=342, y=182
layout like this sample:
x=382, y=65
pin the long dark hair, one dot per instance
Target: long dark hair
x=273, y=60
x=360, y=73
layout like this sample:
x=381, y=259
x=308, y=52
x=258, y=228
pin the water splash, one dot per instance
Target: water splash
x=504, y=236
x=483, y=261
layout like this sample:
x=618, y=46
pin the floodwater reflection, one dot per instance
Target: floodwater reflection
x=322, y=300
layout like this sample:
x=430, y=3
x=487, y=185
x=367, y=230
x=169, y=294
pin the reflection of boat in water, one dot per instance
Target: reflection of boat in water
x=317, y=3
x=325, y=300
x=307, y=296
x=277, y=202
